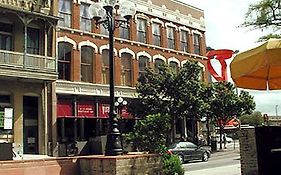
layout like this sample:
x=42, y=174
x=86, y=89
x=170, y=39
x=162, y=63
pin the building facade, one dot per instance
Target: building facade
x=27, y=74
x=162, y=31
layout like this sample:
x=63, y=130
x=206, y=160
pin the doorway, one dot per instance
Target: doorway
x=30, y=125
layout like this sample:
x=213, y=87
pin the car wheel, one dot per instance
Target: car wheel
x=205, y=157
x=181, y=158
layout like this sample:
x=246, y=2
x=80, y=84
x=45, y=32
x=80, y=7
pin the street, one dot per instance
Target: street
x=222, y=162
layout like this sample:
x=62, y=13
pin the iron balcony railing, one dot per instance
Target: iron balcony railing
x=35, y=62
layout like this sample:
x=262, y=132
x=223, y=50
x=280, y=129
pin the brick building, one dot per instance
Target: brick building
x=162, y=31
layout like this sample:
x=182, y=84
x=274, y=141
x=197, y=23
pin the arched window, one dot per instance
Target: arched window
x=105, y=67
x=64, y=60
x=87, y=56
x=157, y=63
x=174, y=65
x=126, y=75
x=143, y=64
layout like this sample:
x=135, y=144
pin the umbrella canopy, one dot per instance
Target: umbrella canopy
x=258, y=68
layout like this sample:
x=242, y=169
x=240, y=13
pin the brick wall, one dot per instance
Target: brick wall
x=144, y=164
x=248, y=151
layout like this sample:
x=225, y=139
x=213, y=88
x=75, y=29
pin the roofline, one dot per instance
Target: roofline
x=188, y=5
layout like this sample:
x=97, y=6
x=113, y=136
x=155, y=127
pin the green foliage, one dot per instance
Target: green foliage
x=263, y=15
x=254, y=119
x=171, y=163
x=150, y=133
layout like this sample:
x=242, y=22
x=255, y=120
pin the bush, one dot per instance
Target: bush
x=171, y=163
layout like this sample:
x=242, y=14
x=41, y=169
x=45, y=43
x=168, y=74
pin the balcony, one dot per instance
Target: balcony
x=15, y=64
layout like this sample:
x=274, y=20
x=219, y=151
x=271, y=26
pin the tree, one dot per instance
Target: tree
x=254, y=119
x=226, y=104
x=166, y=91
x=264, y=15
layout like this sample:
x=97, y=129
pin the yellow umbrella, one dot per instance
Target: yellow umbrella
x=258, y=68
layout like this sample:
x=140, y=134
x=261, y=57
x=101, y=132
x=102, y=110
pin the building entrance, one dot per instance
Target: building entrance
x=30, y=125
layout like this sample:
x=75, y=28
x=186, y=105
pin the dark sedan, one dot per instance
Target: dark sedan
x=189, y=151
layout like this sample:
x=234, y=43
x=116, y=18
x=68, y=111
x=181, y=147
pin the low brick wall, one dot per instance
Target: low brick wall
x=142, y=164
x=248, y=151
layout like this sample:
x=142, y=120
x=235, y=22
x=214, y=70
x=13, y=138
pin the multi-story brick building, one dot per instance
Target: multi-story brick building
x=162, y=31
x=27, y=73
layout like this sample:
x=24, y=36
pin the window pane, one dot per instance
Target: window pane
x=87, y=64
x=171, y=39
x=141, y=30
x=196, y=41
x=143, y=64
x=65, y=13
x=126, y=61
x=64, y=60
x=103, y=30
x=85, y=20
x=33, y=40
x=105, y=67
x=174, y=65
x=156, y=34
x=124, y=32
x=157, y=63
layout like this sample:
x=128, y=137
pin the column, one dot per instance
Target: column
x=76, y=66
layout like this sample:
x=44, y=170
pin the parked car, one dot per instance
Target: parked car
x=188, y=151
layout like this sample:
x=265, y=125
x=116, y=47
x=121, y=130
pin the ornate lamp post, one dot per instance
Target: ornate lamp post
x=112, y=14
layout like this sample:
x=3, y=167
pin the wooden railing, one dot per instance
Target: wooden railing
x=36, y=62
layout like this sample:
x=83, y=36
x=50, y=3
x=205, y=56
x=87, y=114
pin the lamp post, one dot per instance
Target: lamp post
x=111, y=14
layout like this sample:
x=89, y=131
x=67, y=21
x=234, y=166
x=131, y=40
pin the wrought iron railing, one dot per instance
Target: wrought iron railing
x=36, y=62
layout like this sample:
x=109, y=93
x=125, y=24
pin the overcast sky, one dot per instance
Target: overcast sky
x=222, y=18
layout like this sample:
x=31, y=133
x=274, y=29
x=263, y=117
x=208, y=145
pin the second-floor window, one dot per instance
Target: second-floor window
x=64, y=60
x=183, y=39
x=33, y=36
x=157, y=63
x=6, y=31
x=171, y=37
x=103, y=30
x=141, y=30
x=124, y=32
x=85, y=19
x=126, y=75
x=196, y=42
x=87, y=54
x=143, y=64
x=156, y=32
x=65, y=13
x=105, y=67
x=174, y=65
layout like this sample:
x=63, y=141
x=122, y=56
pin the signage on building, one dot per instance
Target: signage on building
x=104, y=110
x=8, y=118
x=86, y=109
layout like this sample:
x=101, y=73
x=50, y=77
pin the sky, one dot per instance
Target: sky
x=222, y=20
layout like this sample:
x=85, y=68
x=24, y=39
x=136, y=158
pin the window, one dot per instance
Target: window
x=158, y=62
x=65, y=13
x=103, y=30
x=87, y=54
x=85, y=19
x=105, y=67
x=126, y=75
x=183, y=39
x=143, y=64
x=174, y=65
x=64, y=60
x=171, y=37
x=6, y=31
x=196, y=41
x=156, y=32
x=124, y=32
x=5, y=101
x=141, y=30
x=33, y=36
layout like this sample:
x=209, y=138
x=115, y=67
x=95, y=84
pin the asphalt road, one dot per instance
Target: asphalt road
x=222, y=162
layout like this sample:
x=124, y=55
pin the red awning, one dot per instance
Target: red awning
x=64, y=108
x=86, y=109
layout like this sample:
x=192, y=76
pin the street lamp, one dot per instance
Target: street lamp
x=112, y=14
